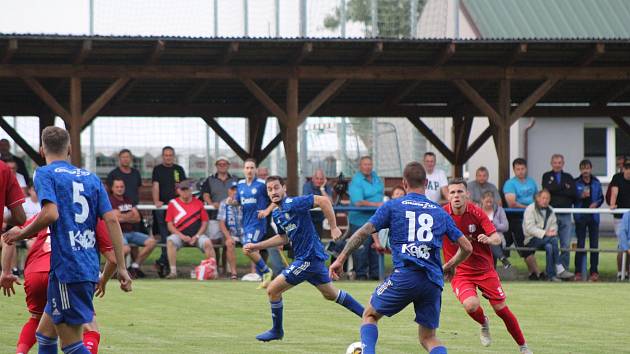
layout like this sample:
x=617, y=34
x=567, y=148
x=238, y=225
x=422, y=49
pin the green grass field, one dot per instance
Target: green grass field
x=186, y=316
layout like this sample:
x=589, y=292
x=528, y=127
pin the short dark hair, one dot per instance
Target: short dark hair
x=55, y=140
x=429, y=153
x=117, y=179
x=457, y=180
x=168, y=147
x=6, y=158
x=398, y=187
x=626, y=165
x=415, y=175
x=275, y=178
x=127, y=151
x=482, y=169
x=365, y=157
x=585, y=163
x=519, y=161
x=250, y=159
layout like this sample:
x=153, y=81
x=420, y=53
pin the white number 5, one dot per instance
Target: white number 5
x=424, y=233
x=77, y=188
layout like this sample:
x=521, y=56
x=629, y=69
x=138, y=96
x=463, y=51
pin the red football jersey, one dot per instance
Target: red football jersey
x=186, y=217
x=38, y=259
x=10, y=192
x=472, y=223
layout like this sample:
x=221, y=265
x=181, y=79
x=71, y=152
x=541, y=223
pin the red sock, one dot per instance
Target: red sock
x=511, y=323
x=27, y=339
x=91, y=340
x=478, y=315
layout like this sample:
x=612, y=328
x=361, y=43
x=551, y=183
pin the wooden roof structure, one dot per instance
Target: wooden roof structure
x=78, y=78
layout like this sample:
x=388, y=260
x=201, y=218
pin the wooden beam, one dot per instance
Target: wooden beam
x=612, y=94
x=102, y=100
x=225, y=136
x=84, y=52
x=126, y=91
x=48, y=99
x=433, y=139
x=622, y=124
x=46, y=119
x=75, y=121
x=290, y=136
x=12, y=47
x=373, y=54
x=230, y=52
x=156, y=53
x=320, y=99
x=532, y=99
x=591, y=55
x=515, y=54
x=305, y=51
x=444, y=54
x=268, y=88
x=476, y=99
x=256, y=125
x=400, y=93
x=23, y=144
x=463, y=135
x=478, y=143
x=501, y=133
x=194, y=92
x=264, y=153
x=265, y=100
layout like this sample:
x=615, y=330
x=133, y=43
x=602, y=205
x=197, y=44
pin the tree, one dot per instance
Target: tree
x=393, y=16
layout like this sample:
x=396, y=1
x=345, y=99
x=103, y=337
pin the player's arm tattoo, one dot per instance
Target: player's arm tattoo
x=358, y=238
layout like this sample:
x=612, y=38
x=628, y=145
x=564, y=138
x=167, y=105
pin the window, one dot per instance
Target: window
x=622, y=143
x=595, y=146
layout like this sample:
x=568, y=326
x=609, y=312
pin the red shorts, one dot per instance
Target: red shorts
x=490, y=286
x=36, y=288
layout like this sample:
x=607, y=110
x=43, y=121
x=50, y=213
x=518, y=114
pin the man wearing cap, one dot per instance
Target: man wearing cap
x=187, y=222
x=214, y=190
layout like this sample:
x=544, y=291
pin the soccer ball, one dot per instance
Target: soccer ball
x=355, y=348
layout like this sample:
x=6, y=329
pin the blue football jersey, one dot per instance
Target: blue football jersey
x=80, y=197
x=293, y=218
x=253, y=197
x=416, y=226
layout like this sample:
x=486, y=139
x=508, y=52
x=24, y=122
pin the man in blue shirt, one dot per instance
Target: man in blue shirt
x=72, y=199
x=294, y=224
x=251, y=195
x=366, y=190
x=416, y=226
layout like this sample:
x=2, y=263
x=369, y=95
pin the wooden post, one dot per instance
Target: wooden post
x=462, y=125
x=501, y=132
x=46, y=119
x=290, y=136
x=75, y=121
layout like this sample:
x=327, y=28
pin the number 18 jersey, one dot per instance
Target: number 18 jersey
x=416, y=226
x=80, y=197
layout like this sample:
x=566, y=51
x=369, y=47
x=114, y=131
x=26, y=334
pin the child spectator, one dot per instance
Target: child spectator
x=230, y=219
x=496, y=214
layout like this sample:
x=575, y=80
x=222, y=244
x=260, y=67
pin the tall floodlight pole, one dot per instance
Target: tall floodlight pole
x=92, y=142
x=456, y=20
x=302, y=129
x=276, y=8
x=343, y=18
x=216, y=18
x=412, y=18
x=245, y=18
x=374, y=13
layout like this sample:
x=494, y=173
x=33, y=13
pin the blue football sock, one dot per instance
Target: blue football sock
x=276, y=315
x=47, y=345
x=75, y=348
x=369, y=336
x=347, y=301
x=261, y=267
x=438, y=350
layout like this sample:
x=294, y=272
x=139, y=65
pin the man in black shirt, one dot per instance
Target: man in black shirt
x=620, y=198
x=164, y=179
x=128, y=174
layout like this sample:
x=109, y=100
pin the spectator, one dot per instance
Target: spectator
x=215, y=189
x=5, y=151
x=164, y=179
x=496, y=214
x=620, y=198
x=519, y=192
x=128, y=174
x=366, y=189
x=624, y=239
x=381, y=239
x=128, y=215
x=14, y=168
x=480, y=186
x=318, y=186
x=231, y=224
x=187, y=222
x=561, y=186
x=31, y=205
x=437, y=183
x=589, y=195
x=540, y=227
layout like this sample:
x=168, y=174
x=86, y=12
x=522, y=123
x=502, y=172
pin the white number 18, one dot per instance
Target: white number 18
x=425, y=222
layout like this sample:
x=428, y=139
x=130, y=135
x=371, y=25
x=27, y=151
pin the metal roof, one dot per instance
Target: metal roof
x=546, y=19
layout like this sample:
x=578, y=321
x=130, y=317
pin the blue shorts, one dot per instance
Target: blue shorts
x=407, y=286
x=252, y=236
x=314, y=272
x=135, y=238
x=70, y=303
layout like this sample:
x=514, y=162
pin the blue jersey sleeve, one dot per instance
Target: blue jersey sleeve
x=302, y=203
x=279, y=229
x=356, y=192
x=381, y=218
x=103, y=203
x=452, y=232
x=44, y=186
x=509, y=187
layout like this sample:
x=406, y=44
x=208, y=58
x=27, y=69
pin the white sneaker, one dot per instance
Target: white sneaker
x=525, y=349
x=484, y=335
x=565, y=275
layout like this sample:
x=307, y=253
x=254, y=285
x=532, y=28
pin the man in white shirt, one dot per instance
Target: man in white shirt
x=437, y=183
x=31, y=203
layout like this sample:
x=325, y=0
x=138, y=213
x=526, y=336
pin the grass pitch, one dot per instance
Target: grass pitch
x=186, y=316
